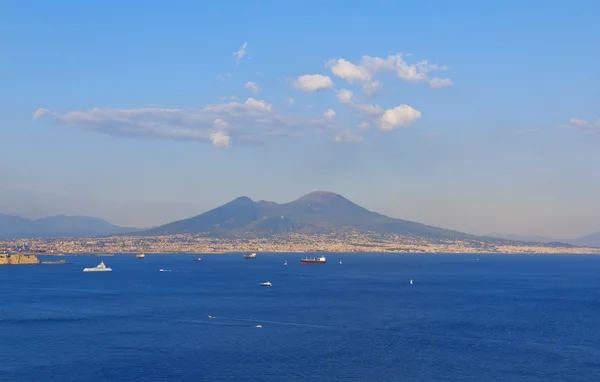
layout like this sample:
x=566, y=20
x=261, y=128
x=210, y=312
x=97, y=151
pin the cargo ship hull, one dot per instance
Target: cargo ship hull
x=313, y=260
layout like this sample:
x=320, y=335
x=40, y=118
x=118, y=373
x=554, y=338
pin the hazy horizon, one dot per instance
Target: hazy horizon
x=151, y=213
x=173, y=111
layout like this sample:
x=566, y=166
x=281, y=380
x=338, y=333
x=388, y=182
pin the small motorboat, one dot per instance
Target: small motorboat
x=198, y=259
x=411, y=283
x=267, y=284
x=285, y=262
x=258, y=326
x=340, y=261
x=210, y=316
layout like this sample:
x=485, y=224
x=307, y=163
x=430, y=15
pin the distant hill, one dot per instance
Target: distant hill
x=592, y=240
x=15, y=227
x=312, y=213
x=525, y=238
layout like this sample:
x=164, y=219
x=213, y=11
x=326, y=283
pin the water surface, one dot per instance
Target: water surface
x=467, y=317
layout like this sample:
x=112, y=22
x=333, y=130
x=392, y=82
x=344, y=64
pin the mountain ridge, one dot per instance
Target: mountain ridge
x=315, y=212
x=591, y=240
x=57, y=226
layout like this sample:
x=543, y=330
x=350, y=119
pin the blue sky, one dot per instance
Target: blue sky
x=142, y=112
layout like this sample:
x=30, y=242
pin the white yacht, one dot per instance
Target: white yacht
x=99, y=268
x=267, y=284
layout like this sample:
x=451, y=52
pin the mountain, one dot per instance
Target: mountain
x=592, y=240
x=315, y=212
x=15, y=227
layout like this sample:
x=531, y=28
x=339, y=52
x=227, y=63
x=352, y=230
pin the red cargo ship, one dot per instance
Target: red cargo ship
x=313, y=260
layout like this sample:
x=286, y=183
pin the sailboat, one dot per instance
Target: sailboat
x=411, y=283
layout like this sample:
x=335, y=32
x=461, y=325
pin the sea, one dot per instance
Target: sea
x=464, y=318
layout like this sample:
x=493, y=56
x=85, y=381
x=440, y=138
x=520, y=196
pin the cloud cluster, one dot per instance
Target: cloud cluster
x=399, y=116
x=252, y=121
x=364, y=71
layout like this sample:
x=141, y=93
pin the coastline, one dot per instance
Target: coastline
x=336, y=242
x=594, y=251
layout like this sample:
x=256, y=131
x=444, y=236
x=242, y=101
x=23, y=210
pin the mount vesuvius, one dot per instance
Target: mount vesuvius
x=317, y=212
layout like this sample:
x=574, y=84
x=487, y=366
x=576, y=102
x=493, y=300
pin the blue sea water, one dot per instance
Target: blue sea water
x=465, y=318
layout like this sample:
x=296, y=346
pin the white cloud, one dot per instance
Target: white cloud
x=251, y=106
x=220, y=124
x=348, y=137
x=364, y=125
x=368, y=67
x=348, y=71
x=290, y=100
x=240, y=53
x=344, y=96
x=252, y=86
x=329, y=113
x=220, y=139
x=39, y=113
x=578, y=122
x=252, y=121
x=437, y=82
x=411, y=72
x=378, y=64
x=259, y=104
x=399, y=116
x=312, y=83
